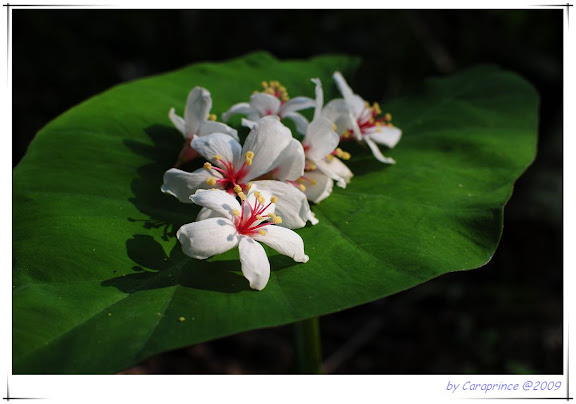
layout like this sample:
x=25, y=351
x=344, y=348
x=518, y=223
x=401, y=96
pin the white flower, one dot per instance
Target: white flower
x=197, y=121
x=354, y=116
x=273, y=100
x=233, y=167
x=241, y=225
x=320, y=147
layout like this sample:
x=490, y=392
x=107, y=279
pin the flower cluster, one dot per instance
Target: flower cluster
x=260, y=191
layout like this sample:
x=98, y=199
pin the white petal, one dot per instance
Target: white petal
x=355, y=103
x=319, y=98
x=292, y=205
x=335, y=169
x=206, y=213
x=377, y=153
x=182, y=184
x=285, y=241
x=254, y=115
x=178, y=122
x=385, y=135
x=209, y=127
x=248, y=123
x=312, y=218
x=321, y=188
x=241, y=108
x=255, y=264
x=296, y=104
x=357, y=106
x=334, y=109
x=265, y=104
x=320, y=139
x=198, y=106
x=299, y=120
x=266, y=140
x=355, y=127
x=217, y=144
x=208, y=237
x=337, y=112
x=343, y=86
x=290, y=164
x=217, y=200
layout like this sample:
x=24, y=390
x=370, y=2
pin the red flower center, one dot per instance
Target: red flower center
x=367, y=120
x=252, y=219
x=233, y=180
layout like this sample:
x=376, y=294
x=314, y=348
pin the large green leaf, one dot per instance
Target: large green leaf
x=100, y=281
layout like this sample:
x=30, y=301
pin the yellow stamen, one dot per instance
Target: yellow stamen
x=300, y=180
x=259, y=217
x=388, y=117
x=237, y=188
x=277, y=220
x=211, y=181
x=377, y=109
x=334, y=127
x=262, y=232
x=302, y=187
x=272, y=215
x=330, y=157
x=242, y=195
x=261, y=199
x=248, y=157
x=274, y=199
x=248, y=186
x=312, y=166
x=217, y=157
x=312, y=181
x=236, y=212
x=207, y=166
x=342, y=154
x=276, y=89
x=257, y=194
x=211, y=117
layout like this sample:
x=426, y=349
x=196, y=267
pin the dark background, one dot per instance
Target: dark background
x=503, y=318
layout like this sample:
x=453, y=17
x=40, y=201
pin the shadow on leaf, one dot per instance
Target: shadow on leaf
x=162, y=210
x=156, y=270
x=362, y=161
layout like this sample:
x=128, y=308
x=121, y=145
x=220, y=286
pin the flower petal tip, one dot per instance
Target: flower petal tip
x=312, y=219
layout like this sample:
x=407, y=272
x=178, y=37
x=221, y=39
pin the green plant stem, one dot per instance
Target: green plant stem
x=307, y=346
